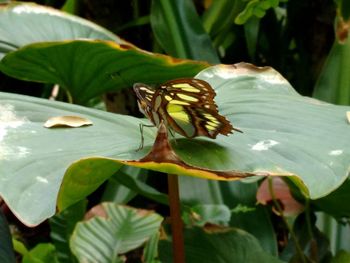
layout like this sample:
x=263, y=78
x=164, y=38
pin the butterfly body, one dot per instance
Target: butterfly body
x=186, y=106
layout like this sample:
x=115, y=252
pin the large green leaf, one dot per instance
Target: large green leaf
x=87, y=69
x=114, y=230
x=25, y=23
x=220, y=246
x=279, y=130
x=284, y=134
x=33, y=159
x=179, y=30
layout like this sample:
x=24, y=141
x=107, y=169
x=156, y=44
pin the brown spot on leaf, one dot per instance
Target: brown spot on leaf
x=125, y=47
x=143, y=212
x=97, y=210
x=214, y=229
x=342, y=30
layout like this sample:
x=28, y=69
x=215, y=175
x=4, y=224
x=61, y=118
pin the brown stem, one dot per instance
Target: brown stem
x=176, y=222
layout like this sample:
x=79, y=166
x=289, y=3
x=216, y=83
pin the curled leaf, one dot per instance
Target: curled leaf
x=67, y=121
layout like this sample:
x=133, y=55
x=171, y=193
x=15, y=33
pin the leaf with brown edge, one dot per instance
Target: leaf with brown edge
x=285, y=134
x=108, y=66
x=162, y=153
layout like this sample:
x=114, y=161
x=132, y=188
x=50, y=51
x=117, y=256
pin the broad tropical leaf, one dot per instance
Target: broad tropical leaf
x=89, y=68
x=26, y=23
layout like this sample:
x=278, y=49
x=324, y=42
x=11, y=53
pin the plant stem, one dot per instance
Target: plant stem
x=176, y=222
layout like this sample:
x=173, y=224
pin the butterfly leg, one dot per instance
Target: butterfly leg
x=142, y=138
x=172, y=135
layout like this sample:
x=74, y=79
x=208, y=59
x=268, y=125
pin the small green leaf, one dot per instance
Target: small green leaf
x=113, y=231
x=19, y=247
x=150, y=252
x=42, y=253
x=256, y=8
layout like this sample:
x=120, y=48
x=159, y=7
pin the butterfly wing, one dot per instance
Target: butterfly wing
x=145, y=95
x=188, y=107
x=195, y=92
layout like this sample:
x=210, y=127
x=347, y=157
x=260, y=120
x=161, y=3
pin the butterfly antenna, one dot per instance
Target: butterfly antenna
x=237, y=130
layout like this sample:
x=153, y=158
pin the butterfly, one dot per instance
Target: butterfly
x=185, y=105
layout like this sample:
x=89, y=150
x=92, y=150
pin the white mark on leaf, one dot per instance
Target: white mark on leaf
x=8, y=121
x=336, y=152
x=42, y=179
x=264, y=145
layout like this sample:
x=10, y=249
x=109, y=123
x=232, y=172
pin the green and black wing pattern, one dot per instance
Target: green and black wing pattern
x=186, y=106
